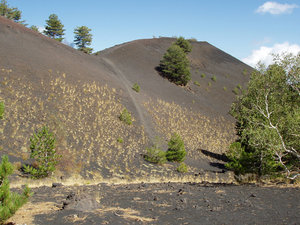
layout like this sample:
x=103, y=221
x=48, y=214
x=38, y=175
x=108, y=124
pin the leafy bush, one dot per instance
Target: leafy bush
x=268, y=122
x=239, y=86
x=176, y=151
x=209, y=84
x=125, y=116
x=203, y=75
x=182, y=168
x=9, y=202
x=42, y=146
x=214, y=78
x=1, y=110
x=184, y=44
x=136, y=87
x=155, y=155
x=225, y=88
x=175, y=66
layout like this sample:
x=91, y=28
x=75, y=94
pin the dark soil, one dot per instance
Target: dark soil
x=168, y=203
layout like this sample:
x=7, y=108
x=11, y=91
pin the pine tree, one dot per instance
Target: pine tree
x=10, y=13
x=176, y=151
x=175, y=65
x=43, y=151
x=184, y=44
x=35, y=28
x=54, y=28
x=9, y=202
x=83, y=38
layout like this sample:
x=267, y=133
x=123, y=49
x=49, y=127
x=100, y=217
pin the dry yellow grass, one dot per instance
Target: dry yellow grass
x=83, y=116
x=198, y=131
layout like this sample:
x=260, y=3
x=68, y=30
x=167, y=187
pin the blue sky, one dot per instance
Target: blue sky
x=246, y=29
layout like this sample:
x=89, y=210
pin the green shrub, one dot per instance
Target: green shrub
x=245, y=72
x=125, y=116
x=9, y=202
x=214, y=78
x=155, y=155
x=197, y=83
x=120, y=140
x=176, y=151
x=1, y=110
x=203, y=75
x=42, y=146
x=239, y=86
x=209, y=84
x=136, y=87
x=225, y=88
x=182, y=168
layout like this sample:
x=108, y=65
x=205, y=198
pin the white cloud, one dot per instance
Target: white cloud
x=276, y=8
x=41, y=29
x=264, y=54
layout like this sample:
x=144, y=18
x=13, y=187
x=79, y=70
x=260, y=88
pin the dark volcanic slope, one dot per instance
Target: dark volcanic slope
x=137, y=61
x=80, y=97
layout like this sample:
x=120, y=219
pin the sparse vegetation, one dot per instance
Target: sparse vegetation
x=245, y=72
x=203, y=75
x=125, y=116
x=136, y=87
x=175, y=65
x=42, y=146
x=209, y=84
x=214, y=78
x=197, y=83
x=176, y=150
x=268, y=122
x=10, y=202
x=182, y=168
x=184, y=44
x=155, y=155
x=225, y=88
x=239, y=87
x=83, y=38
x=54, y=28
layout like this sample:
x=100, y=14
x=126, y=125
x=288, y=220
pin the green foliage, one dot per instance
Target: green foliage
x=225, y=88
x=155, y=155
x=245, y=72
x=9, y=202
x=175, y=66
x=83, y=38
x=268, y=124
x=136, y=87
x=203, y=75
x=182, y=168
x=184, y=44
x=2, y=110
x=10, y=13
x=197, y=83
x=42, y=146
x=176, y=151
x=125, y=116
x=209, y=84
x=214, y=78
x=54, y=28
x=35, y=28
x=239, y=86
